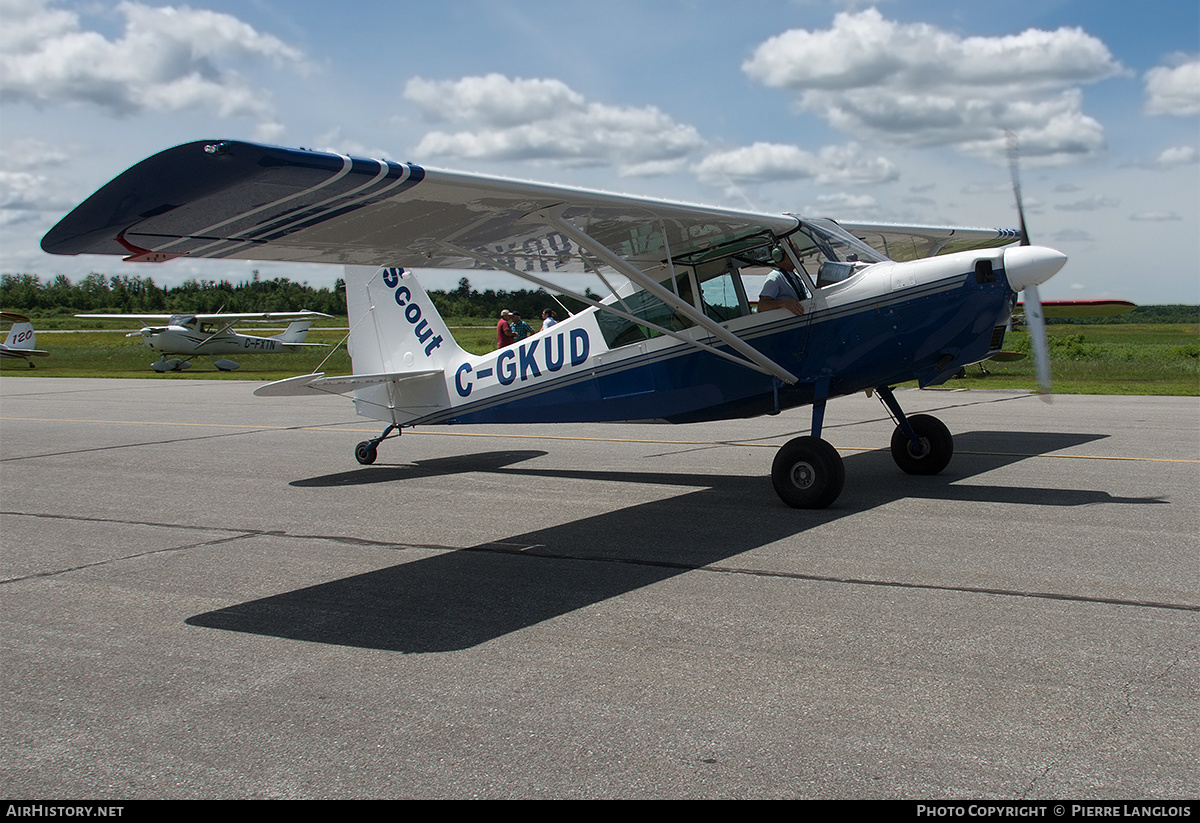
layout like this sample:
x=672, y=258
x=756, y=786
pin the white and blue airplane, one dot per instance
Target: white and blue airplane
x=677, y=339
x=210, y=335
x=20, y=341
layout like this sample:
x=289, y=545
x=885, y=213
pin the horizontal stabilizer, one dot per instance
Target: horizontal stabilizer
x=308, y=383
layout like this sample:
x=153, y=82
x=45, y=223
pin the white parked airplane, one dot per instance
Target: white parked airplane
x=194, y=335
x=19, y=343
x=881, y=304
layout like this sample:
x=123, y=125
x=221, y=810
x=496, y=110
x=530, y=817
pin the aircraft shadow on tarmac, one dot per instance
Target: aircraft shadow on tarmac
x=459, y=599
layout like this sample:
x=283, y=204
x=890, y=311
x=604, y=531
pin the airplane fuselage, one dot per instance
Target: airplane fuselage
x=890, y=323
x=183, y=340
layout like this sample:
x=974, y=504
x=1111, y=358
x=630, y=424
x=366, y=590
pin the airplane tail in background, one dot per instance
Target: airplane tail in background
x=20, y=336
x=295, y=333
x=20, y=339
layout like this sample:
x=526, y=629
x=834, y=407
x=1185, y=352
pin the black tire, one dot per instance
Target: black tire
x=365, y=453
x=808, y=473
x=936, y=440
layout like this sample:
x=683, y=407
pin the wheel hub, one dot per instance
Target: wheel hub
x=921, y=452
x=803, y=475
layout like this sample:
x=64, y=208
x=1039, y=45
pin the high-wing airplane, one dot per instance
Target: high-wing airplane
x=19, y=343
x=677, y=342
x=194, y=335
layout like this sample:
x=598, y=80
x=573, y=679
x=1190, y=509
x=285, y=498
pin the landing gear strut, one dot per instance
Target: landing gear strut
x=366, y=451
x=921, y=444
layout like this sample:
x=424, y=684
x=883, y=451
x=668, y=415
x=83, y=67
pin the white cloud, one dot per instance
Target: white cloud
x=1174, y=89
x=775, y=162
x=845, y=206
x=1177, y=156
x=506, y=119
x=165, y=59
x=1155, y=217
x=919, y=85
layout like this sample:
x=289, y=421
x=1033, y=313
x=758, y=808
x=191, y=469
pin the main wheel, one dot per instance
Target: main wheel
x=365, y=453
x=937, y=446
x=808, y=473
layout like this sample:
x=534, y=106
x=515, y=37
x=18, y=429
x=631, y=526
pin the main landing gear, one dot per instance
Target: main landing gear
x=808, y=472
x=366, y=451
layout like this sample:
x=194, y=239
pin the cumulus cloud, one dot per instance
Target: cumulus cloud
x=774, y=162
x=507, y=119
x=165, y=59
x=923, y=86
x=1177, y=156
x=1174, y=89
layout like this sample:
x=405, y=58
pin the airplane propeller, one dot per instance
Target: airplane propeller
x=1026, y=266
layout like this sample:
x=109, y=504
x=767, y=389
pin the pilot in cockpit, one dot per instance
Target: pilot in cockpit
x=783, y=288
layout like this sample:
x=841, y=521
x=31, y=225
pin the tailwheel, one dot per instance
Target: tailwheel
x=365, y=452
x=936, y=446
x=808, y=473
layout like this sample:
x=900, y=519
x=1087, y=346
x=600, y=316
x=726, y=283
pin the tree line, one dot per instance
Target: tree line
x=98, y=293
x=137, y=295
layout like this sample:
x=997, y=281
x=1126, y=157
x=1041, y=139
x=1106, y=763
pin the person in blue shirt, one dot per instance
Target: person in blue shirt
x=520, y=328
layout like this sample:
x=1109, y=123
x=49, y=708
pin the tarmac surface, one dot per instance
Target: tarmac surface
x=204, y=595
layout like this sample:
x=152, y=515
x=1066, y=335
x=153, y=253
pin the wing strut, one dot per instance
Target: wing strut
x=760, y=361
x=674, y=302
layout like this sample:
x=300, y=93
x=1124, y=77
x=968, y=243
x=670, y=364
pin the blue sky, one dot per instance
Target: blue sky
x=885, y=111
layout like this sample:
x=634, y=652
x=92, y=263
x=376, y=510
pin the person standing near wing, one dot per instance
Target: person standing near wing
x=504, y=333
x=520, y=329
x=783, y=288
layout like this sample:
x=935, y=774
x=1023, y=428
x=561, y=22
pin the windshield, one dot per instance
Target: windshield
x=829, y=254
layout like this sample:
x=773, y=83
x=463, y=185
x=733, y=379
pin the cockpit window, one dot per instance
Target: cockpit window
x=830, y=254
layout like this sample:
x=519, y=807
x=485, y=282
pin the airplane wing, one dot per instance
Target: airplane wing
x=226, y=199
x=217, y=317
x=912, y=242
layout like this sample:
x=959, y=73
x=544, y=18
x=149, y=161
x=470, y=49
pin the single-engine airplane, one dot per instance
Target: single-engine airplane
x=194, y=335
x=19, y=343
x=677, y=342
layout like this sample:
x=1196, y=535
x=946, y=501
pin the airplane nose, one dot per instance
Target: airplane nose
x=1026, y=266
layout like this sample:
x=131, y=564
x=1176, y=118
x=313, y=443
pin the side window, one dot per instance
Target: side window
x=722, y=292
x=620, y=331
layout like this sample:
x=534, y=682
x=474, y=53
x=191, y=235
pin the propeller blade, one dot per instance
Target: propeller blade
x=1013, y=154
x=1027, y=267
x=1036, y=321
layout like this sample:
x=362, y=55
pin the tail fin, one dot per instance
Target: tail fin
x=295, y=333
x=20, y=336
x=401, y=348
x=394, y=326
